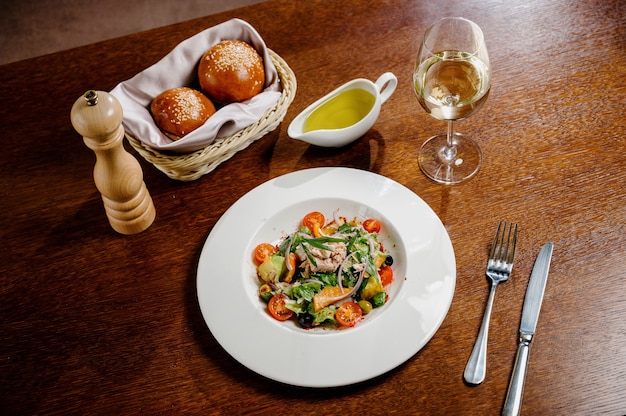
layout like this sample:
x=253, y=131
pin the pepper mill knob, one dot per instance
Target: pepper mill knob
x=97, y=116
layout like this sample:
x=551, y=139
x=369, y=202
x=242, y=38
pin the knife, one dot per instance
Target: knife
x=530, y=315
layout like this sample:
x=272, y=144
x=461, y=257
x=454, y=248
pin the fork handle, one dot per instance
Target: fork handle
x=476, y=367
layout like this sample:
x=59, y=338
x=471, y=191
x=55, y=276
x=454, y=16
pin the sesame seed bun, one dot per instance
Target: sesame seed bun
x=179, y=111
x=231, y=71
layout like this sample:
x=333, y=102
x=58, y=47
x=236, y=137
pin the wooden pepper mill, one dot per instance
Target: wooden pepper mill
x=97, y=116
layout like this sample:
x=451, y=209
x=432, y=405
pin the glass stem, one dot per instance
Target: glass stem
x=450, y=150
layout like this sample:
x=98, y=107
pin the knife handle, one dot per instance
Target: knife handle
x=513, y=401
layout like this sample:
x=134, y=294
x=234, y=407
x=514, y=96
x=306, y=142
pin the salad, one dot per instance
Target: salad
x=327, y=274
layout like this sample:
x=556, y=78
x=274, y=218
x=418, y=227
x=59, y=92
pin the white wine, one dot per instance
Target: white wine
x=452, y=85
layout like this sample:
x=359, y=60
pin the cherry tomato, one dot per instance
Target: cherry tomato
x=263, y=251
x=314, y=221
x=277, y=307
x=348, y=314
x=371, y=225
x=386, y=275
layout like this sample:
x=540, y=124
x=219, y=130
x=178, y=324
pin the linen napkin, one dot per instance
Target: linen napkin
x=179, y=68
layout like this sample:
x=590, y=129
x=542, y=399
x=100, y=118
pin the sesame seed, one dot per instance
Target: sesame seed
x=230, y=56
x=188, y=106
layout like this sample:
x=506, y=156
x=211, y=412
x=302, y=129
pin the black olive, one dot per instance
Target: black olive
x=305, y=320
x=388, y=260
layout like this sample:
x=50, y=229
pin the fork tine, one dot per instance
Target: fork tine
x=496, y=243
x=510, y=256
x=504, y=247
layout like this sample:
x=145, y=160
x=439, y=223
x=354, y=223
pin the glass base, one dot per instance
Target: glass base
x=450, y=166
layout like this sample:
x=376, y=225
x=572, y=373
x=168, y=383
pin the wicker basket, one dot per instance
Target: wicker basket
x=191, y=166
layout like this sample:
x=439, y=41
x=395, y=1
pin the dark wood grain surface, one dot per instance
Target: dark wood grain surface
x=93, y=322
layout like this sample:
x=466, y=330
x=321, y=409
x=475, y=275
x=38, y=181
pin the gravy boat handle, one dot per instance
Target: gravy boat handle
x=386, y=84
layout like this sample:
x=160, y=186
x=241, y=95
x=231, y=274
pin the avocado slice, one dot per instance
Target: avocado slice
x=272, y=269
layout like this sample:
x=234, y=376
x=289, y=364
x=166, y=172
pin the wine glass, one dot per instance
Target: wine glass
x=452, y=78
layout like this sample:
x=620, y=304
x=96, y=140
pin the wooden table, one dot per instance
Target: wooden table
x=94, y=322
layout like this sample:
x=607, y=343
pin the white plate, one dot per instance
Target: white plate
x=419, y=298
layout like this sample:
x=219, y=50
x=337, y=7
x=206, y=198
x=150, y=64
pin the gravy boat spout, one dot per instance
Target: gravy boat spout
x=344, y=114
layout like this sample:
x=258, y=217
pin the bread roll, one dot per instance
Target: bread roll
x=231, y=71
x=179, y=111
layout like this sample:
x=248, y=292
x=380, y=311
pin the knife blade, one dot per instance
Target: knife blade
x=528, y=325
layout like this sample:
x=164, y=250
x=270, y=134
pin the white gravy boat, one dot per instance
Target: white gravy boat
x=345, y=114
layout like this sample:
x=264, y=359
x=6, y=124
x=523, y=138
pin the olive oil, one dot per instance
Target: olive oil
x=344, y=110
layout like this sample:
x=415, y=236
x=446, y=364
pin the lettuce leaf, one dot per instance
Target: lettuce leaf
x=326, y=315
x=329, y=279
x=304, y=291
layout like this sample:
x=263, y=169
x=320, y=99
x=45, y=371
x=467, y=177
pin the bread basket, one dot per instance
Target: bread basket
x=193, y=165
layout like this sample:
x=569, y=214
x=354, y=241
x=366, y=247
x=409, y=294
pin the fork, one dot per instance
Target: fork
x=499, y=269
